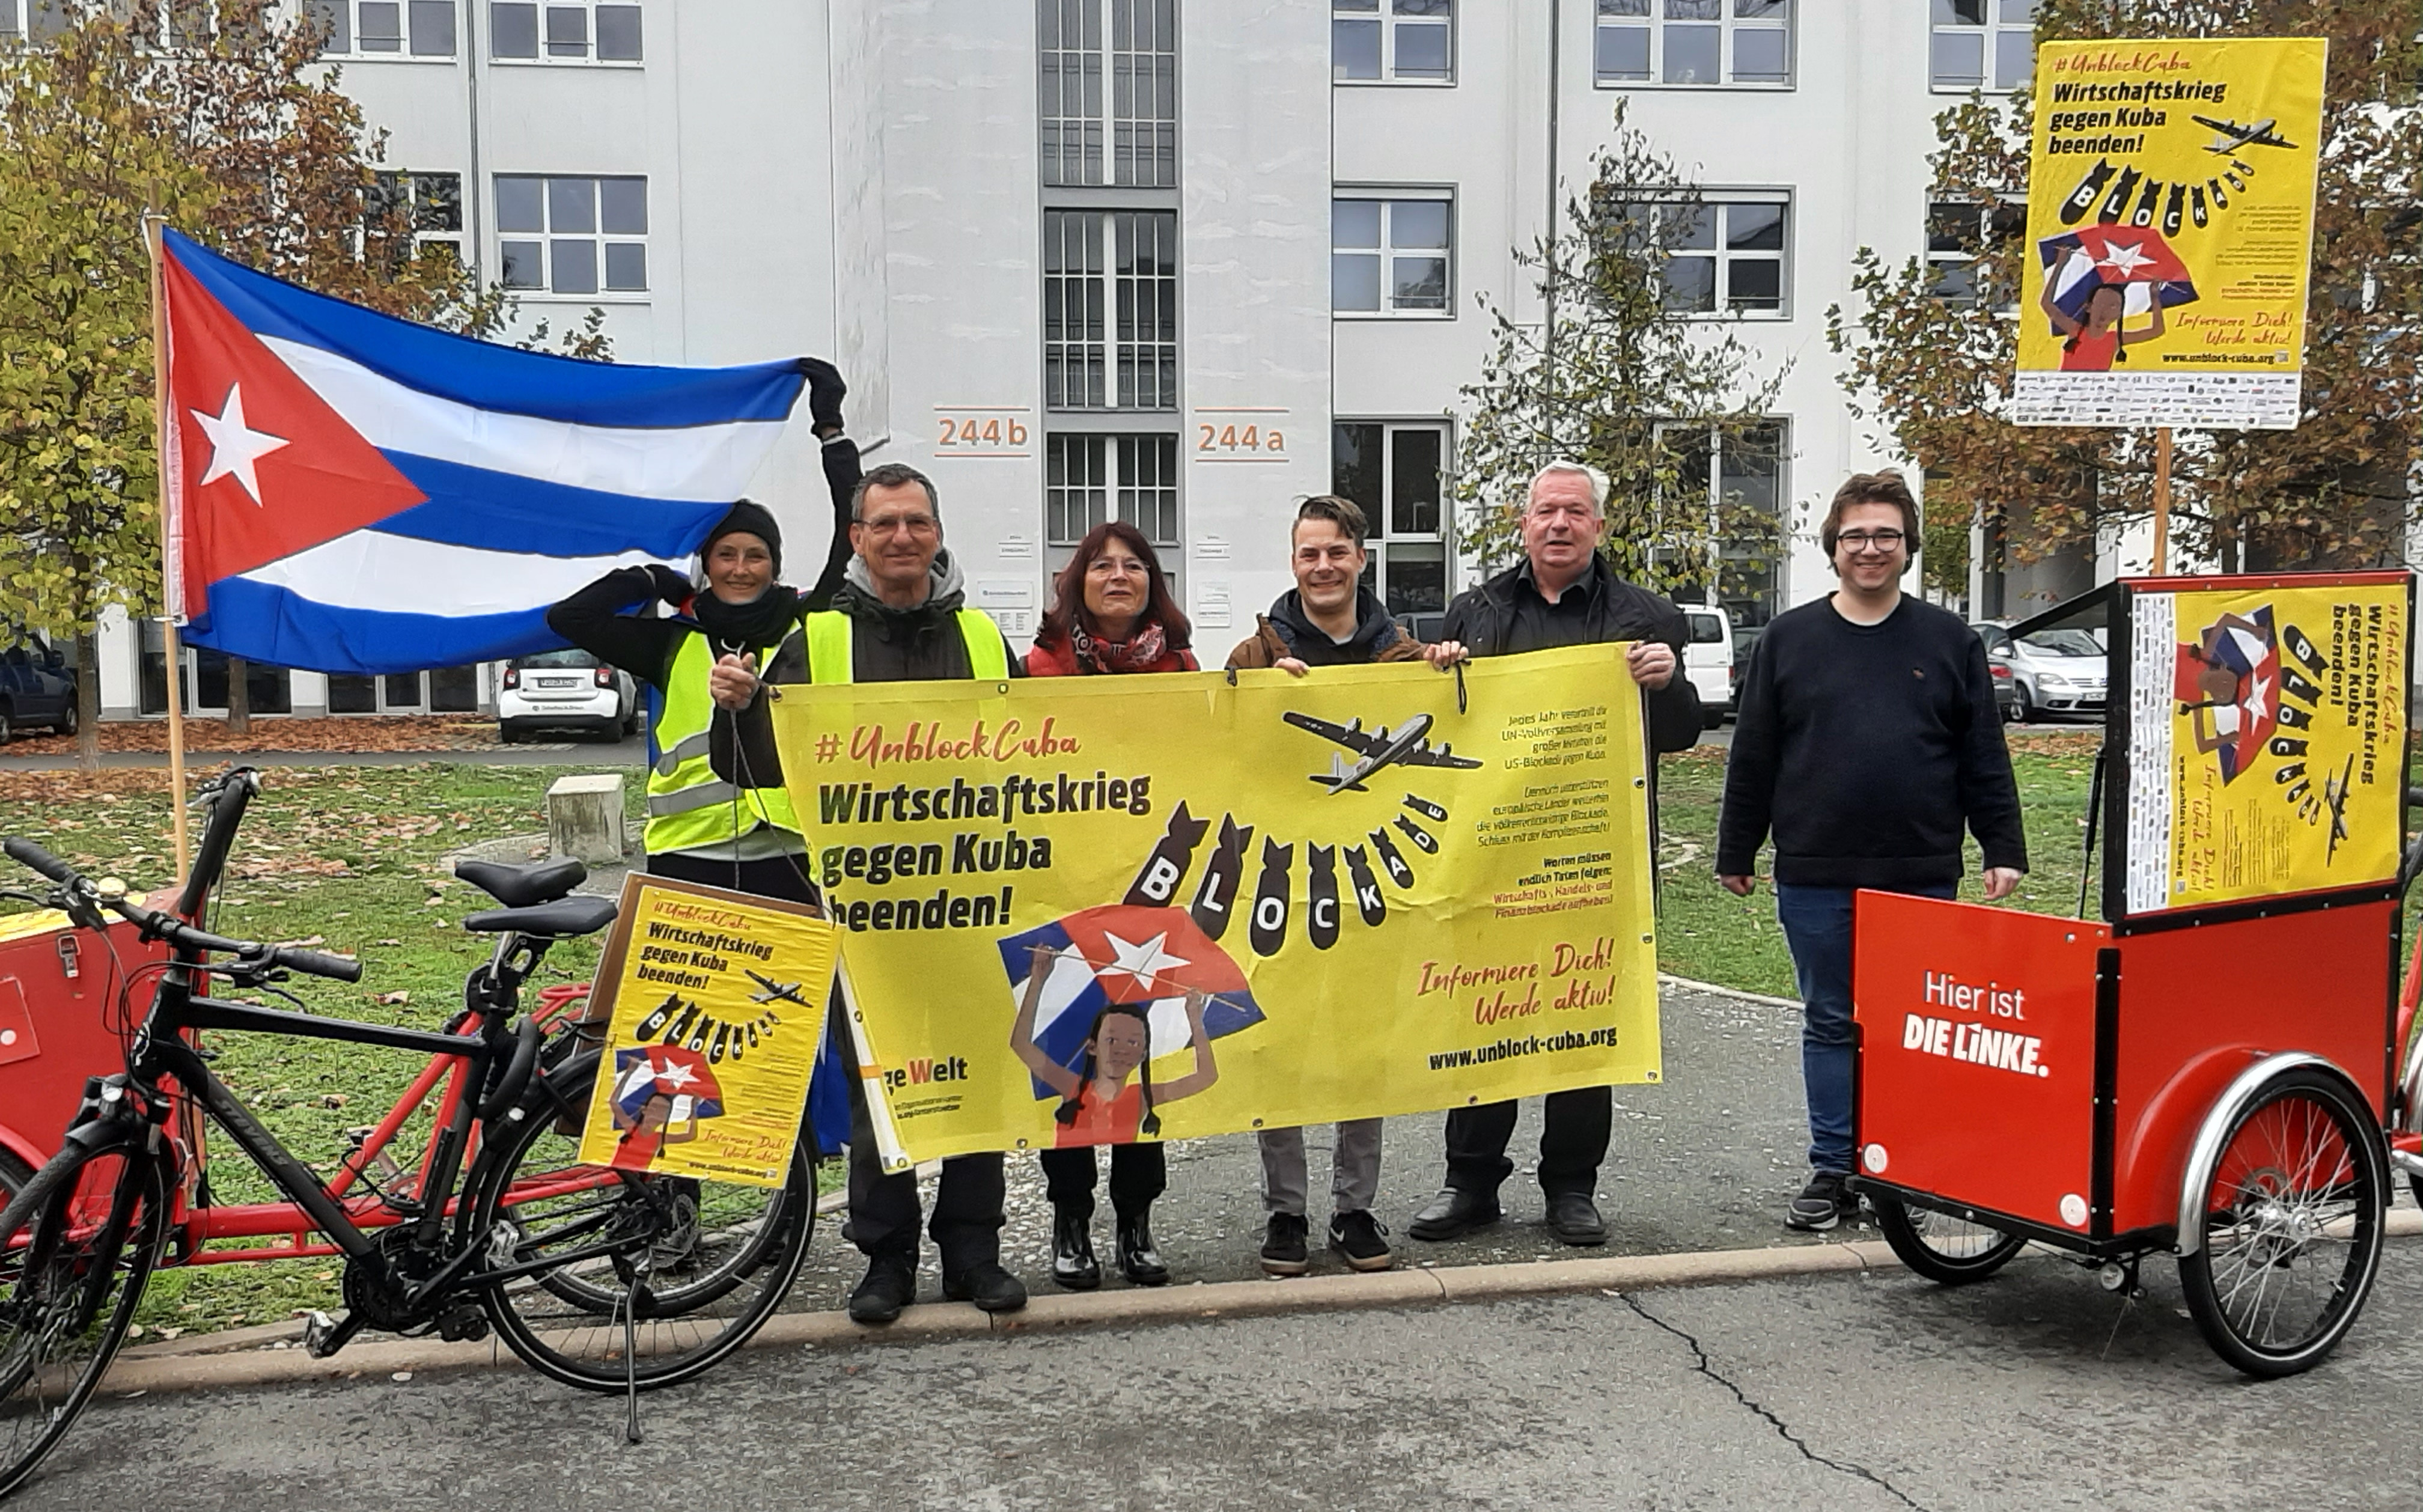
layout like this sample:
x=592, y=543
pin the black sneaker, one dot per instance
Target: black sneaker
x=1283, y=1252
x=891, y=1284
x=1360, y=1240
x=990, y=1287
x=1826, y=1201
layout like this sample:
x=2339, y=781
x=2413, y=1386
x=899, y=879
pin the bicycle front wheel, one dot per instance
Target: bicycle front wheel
x=635, y=1278
x=1947, y=1250
x=77, y=1244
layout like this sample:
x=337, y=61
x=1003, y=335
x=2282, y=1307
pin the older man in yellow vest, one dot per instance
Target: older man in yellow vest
x=899, y=616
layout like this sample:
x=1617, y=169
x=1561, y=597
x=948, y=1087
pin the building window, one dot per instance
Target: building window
x=384, y=28
x=1124, y=134
x=1397, y=473
x=1391, y=257
x=1397, y=40
x=1694, y=43
x=1958, y=231
x=428, y=207
x=1731, y=487
x=1091, y=479
x=564, y=31
x=1981, y=44
x=1726, y=254
x=1110, y=309
x=573, y=235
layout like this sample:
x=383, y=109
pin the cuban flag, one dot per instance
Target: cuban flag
x=349, y=492
x=1124, y=953
x=669, y=1071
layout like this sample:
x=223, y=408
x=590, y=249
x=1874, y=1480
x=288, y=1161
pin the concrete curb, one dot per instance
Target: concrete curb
x=182, y=1364
x=1667, y=979
x=240, y=1360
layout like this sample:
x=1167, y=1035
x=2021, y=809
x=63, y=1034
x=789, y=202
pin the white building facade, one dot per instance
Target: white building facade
x=1177, y=262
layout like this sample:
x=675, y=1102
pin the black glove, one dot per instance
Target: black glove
x=825, y=392
x=671, y=586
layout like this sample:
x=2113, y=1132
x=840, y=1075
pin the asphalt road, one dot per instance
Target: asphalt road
x=2034, y=1391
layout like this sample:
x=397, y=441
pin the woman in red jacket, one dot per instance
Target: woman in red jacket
x=1112, y=612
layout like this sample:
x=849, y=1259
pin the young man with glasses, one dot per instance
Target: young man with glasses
x=1865, y=735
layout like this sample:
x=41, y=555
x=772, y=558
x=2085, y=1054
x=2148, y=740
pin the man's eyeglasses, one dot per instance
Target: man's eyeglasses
x=897, y=524
x=1870, y=540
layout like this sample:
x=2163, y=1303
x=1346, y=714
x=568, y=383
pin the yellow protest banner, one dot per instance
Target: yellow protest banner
x=2170, y=227
x=714, y=1008
x=1090, y=910
x=2267, y=738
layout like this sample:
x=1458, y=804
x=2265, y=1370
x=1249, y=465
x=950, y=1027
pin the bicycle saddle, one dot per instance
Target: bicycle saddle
x=562, y=918
x=521, y=886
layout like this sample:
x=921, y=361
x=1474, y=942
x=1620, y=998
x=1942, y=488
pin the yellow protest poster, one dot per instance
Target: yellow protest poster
x=2170, y=229
x=1091, y=910
x=2267, y=736
x=714, y=1008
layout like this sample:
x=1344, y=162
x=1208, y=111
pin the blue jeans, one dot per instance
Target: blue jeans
x=1817, y=926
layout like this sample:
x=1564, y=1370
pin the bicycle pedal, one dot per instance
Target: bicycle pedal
x=324, y=1336
x=459, y=1324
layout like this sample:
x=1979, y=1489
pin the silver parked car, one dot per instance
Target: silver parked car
x=2052, y=672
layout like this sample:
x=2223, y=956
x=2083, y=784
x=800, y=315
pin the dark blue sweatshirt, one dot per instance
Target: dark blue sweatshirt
x=1864, y=748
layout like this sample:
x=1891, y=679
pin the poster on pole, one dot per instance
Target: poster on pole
x=713, y=1009
x=2170, y=230
x=2264, y=734
x=1083, y=911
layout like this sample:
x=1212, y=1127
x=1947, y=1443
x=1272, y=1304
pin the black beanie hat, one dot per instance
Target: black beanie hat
x=753, y=518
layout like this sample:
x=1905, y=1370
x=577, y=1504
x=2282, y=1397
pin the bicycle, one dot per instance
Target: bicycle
x=602, y=1279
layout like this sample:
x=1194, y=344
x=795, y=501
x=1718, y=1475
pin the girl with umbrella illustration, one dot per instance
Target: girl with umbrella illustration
x=661, y=1094
x=2099, y=340
x=1098, y=1103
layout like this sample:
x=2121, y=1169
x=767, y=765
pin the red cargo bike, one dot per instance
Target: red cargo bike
x=2218, y=1069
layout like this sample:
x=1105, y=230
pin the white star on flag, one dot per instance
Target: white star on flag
x=2124, y=260
x=674, y=1074
x=1143, y=961
x=235, y=446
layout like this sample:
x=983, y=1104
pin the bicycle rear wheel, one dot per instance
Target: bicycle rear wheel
x=77, y=1245
x=2293, y=1226
x=697, y=1264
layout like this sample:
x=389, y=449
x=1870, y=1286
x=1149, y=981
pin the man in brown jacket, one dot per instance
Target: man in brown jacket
x=1328, y=619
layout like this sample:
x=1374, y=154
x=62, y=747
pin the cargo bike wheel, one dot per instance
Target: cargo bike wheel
x=2293, y=1224
x=1952, y=1251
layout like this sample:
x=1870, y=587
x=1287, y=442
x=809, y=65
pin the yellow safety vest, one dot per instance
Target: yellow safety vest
x=688, y=805
x=830, y=647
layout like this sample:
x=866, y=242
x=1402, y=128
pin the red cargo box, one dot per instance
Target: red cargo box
x=59, y=1011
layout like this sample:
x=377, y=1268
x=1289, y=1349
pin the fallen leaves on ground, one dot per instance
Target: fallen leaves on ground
x=350, y=732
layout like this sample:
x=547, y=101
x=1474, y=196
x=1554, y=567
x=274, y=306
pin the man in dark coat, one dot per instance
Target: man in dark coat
x=1560, y=594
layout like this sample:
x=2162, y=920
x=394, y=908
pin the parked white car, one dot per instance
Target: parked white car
x=1708, y=659
x=2052, y=672
x=568, y=689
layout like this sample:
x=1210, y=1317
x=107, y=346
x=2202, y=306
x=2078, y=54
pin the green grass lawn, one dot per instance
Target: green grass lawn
x=1706, y=933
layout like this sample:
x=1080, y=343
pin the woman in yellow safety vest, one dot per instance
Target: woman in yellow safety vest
x=717, y=809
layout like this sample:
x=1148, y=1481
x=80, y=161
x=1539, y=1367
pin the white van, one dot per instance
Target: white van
x=1708, y=659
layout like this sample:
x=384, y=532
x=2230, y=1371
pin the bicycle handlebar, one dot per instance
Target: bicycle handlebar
x=252, y=957
x=26, y=853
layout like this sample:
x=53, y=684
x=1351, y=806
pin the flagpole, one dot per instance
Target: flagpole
x=153, y=221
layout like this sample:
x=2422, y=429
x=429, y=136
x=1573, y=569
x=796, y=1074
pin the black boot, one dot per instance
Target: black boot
x=1073, y=1266
x=1138, y=1260
x=891, y=1284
